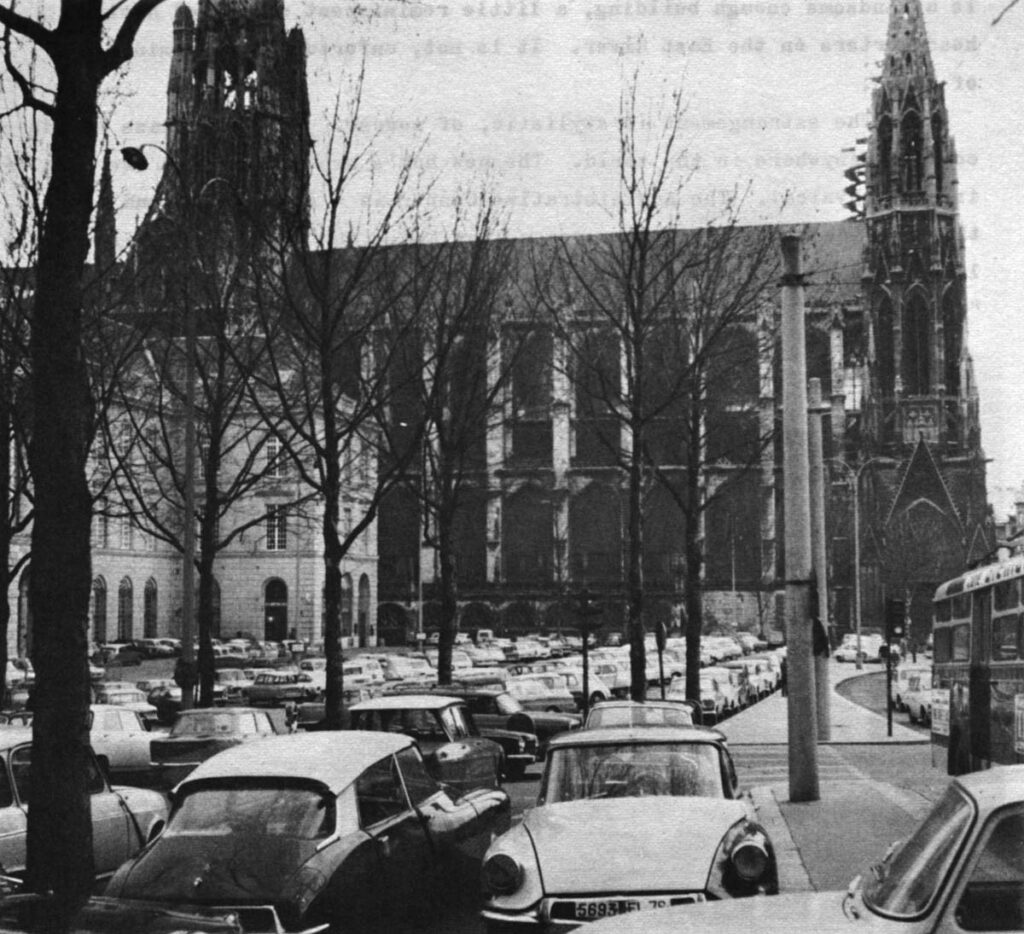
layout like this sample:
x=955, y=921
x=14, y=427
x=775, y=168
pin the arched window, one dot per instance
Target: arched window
x=99, y=611
x=364, y=611
x=917, y=346
x=149, y=605
x=595, y=536
x=125, y=621
x=885, y=348
x=527, y=539
x=275, y=610
x=346, y=605
x=913, y=153
x=952, y=335
x=885, y=155
x=938, y=150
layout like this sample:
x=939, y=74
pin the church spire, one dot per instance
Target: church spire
x=105, y=232
x=906, y=49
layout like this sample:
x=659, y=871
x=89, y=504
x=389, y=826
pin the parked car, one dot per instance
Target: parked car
x=410, y=669
x=277, y=688
x=732, y=687
x=713, y=703
x=917, y=698
x=337, y=828
x=124, y=695
x=960, y=870
x=199, y=734
x=21, y=912
x=120, y=739
x=657, y=812
x=123, y=819
x=454, y=752
x=495, y=708
x=233, y=681
x=901, y=678
x=619, y=713
x=544, y=690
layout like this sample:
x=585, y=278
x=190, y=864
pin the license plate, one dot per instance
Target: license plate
x=591, y=911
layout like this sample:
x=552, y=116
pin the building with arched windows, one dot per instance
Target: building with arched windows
x=544, y=513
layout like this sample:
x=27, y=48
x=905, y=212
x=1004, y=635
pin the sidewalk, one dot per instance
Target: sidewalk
x=821, y=845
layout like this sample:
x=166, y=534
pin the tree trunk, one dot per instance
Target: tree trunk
x=449, y=602
x=59, y=848
x=334, y=694
x=635, y=580
x=693, y=601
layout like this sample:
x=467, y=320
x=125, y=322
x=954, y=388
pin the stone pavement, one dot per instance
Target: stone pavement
x=822, y=845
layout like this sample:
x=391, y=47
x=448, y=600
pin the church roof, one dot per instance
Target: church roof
x=922, y=482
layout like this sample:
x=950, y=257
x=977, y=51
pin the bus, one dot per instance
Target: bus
x=978, y=668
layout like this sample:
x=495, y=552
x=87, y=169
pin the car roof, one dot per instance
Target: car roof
x=333, y=758
x=14, y=735
x=622, y=702
x=405, y=701
x=233, y=711
x=647, y=735
x=994, y=787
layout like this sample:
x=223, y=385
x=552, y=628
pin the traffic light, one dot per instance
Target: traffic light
x=895, y=619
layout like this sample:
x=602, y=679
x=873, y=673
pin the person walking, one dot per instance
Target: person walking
x=783, y=682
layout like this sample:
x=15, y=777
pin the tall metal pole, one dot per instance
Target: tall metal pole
x=856, y=560
x=802, y=707
x=817, y=493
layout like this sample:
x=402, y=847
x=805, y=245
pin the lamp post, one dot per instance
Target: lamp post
x=588, y=612
x=854, y=474
x=136, y=158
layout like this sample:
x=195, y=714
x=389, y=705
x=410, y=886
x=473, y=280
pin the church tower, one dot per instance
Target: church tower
x=238, y=110
x=920, y=385
x=919, y=447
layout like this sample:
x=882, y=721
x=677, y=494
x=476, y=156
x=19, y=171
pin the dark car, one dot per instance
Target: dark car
x=199, y=734
x=495, y=708
x=276, y=688
x=453, y=749
x=337, y=828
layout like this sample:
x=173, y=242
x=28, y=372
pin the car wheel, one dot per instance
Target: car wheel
x=911, y=716
x=595, y=697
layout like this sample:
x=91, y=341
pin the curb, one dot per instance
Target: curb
x=793, y=876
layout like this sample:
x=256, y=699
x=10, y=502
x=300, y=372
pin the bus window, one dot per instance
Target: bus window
x=961, y=643
x=942, y=647
x=943, y=611
x=1006, y=595
x=961, y=606
x=1005, y=638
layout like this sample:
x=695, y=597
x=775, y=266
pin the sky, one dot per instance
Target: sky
x=526, y=92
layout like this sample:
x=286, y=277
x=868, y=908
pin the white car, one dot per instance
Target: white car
x=901, y=678
x=962, y=869
x=917, y=698
x=628, y=819
x=121, y=741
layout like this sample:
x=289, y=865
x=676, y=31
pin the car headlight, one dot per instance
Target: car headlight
x=744, y=863
x=501, y=874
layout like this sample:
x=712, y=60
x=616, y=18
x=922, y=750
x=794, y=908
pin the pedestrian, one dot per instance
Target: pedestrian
x=783, y=678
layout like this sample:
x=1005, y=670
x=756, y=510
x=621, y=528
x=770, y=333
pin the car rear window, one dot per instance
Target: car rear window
x=277, y=810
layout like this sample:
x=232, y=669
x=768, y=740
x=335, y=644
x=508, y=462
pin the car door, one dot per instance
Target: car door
x=13, y=825
x=404, y=846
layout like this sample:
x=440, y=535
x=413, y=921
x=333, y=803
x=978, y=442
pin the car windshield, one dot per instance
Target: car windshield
x=632, y=770
x=206, y=722
x=277, y=811
x=639, y=716
x=905, y=884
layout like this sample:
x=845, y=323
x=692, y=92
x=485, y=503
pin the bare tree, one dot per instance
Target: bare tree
x=660, y=328
x=458, y=303
x=59, y=856
x=321, y=310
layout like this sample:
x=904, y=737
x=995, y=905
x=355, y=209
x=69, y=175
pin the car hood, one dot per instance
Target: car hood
x=655, y=843
x=821, y=912
x=233, y=868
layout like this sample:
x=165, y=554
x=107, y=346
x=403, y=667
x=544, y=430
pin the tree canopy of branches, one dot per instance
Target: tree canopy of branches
x=457, y=298
x=661, y=334
x=320, y=310
x=59, y=854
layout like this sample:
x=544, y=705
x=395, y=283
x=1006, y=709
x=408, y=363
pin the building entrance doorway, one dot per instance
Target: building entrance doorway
x=275, y=610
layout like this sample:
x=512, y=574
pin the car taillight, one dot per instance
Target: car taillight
x=502, y=875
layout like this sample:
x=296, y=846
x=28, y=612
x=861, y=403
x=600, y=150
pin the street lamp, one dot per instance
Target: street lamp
x=854, y=475
x=588, y=612
x=136, y=158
